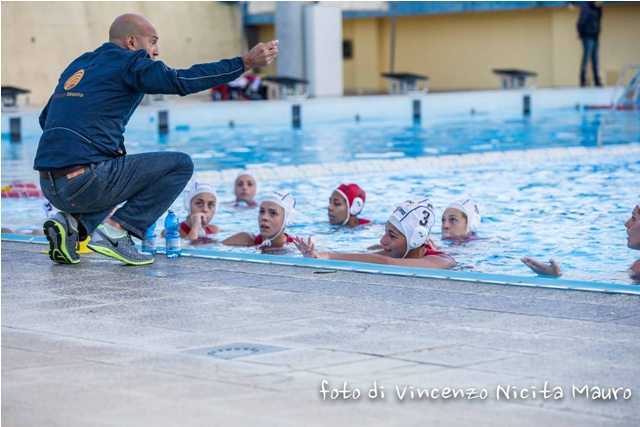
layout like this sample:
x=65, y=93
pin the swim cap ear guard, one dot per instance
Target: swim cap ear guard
x=418, y=238
x=414, y=220
x=356, y=206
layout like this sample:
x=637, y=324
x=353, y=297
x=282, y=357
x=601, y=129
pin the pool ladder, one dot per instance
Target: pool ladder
x=627, y=95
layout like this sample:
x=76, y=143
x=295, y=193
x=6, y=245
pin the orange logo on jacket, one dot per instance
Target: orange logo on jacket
x=74, y=79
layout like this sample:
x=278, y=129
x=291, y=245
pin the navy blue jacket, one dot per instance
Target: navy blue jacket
x=589, y=20
x=85, y=118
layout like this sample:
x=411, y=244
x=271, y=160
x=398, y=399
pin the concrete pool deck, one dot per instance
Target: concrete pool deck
x=102, y=344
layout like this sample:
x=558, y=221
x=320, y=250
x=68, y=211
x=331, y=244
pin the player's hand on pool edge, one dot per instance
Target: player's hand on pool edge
x=544, y=269
x=261, y=55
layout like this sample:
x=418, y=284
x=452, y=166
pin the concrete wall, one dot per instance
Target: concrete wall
x=361, y=72
x=458, y=51
x=290, y=34
x=266, y=33
x=40, y=38
x=323, y=49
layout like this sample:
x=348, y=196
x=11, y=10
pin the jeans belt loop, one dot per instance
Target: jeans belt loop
x=53, y=182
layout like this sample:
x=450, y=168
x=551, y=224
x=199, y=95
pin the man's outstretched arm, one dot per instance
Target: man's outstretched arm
x=148, y=76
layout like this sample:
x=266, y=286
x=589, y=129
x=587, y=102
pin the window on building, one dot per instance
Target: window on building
x=347, y=49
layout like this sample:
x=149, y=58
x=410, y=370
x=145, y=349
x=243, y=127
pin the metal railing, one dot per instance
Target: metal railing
x=627, y=93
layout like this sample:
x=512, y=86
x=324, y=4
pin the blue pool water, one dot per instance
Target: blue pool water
x=378, y=138
x=375, y=137
x=572, y=210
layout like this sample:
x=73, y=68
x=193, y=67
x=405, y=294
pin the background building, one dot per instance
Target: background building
x=39, y=39
x=456, y=44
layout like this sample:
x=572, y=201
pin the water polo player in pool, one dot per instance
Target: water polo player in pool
x=633, y=242
x=460, y=221
x=200, y=202
x=345, y=204
x=405, y=241
x=275, y=214
x=245, y=188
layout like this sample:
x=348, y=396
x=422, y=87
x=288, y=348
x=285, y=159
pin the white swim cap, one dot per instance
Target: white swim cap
x=414, y=220
x=288, y=203
x=244, y=174
x=472, y=210
x=195, y=188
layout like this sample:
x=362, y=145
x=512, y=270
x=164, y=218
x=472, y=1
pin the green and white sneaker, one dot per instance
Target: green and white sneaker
x=121, y=248
x=61, y=231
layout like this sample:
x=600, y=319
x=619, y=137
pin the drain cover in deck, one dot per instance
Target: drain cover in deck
x=236, y=350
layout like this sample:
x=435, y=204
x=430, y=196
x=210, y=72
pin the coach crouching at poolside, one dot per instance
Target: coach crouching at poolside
x=84, y=169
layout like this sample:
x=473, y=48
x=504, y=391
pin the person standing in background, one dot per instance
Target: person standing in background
x=589, y=31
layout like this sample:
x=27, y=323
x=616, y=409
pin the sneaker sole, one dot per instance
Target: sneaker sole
x=115, y=255
x=57, y=237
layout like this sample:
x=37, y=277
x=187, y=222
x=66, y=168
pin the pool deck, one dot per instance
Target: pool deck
x=101, y=344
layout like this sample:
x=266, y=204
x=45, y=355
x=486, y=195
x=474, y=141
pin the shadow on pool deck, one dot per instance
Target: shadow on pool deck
x=102, y=344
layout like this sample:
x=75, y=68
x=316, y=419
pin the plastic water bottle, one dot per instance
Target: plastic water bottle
x=172, y=235
x=149, y=242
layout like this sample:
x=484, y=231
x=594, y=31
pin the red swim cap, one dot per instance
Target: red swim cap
x=355, y=197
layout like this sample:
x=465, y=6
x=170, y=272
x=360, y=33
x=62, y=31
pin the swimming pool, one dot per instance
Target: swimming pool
x=557, y=184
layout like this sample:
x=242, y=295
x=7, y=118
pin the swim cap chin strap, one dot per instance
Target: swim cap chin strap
x=266, y=243
x=288, y=204
x=414, y=220
x=346, y=200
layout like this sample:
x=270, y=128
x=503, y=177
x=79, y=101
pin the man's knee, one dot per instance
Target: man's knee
x=184, y=163
x=184, y=167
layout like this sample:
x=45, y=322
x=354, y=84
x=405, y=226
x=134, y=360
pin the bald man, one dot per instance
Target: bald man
x=84, y=169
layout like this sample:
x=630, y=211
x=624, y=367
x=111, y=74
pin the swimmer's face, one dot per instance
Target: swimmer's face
x=633, y=229
x=337, y=209
x=245, y=188
x=270, y=219
x=454, y=224
x=146, y=39
x=393, y=243
x=204, y=203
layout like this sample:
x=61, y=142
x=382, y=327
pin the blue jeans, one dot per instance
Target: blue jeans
x=149, y=183
x=589, y=50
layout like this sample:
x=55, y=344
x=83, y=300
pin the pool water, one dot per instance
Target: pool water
x=220, y=147
x=215, y=148
x=569, y=210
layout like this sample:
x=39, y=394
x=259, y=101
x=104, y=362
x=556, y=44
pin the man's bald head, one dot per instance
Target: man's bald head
x=133, y=31
x=129, y=24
